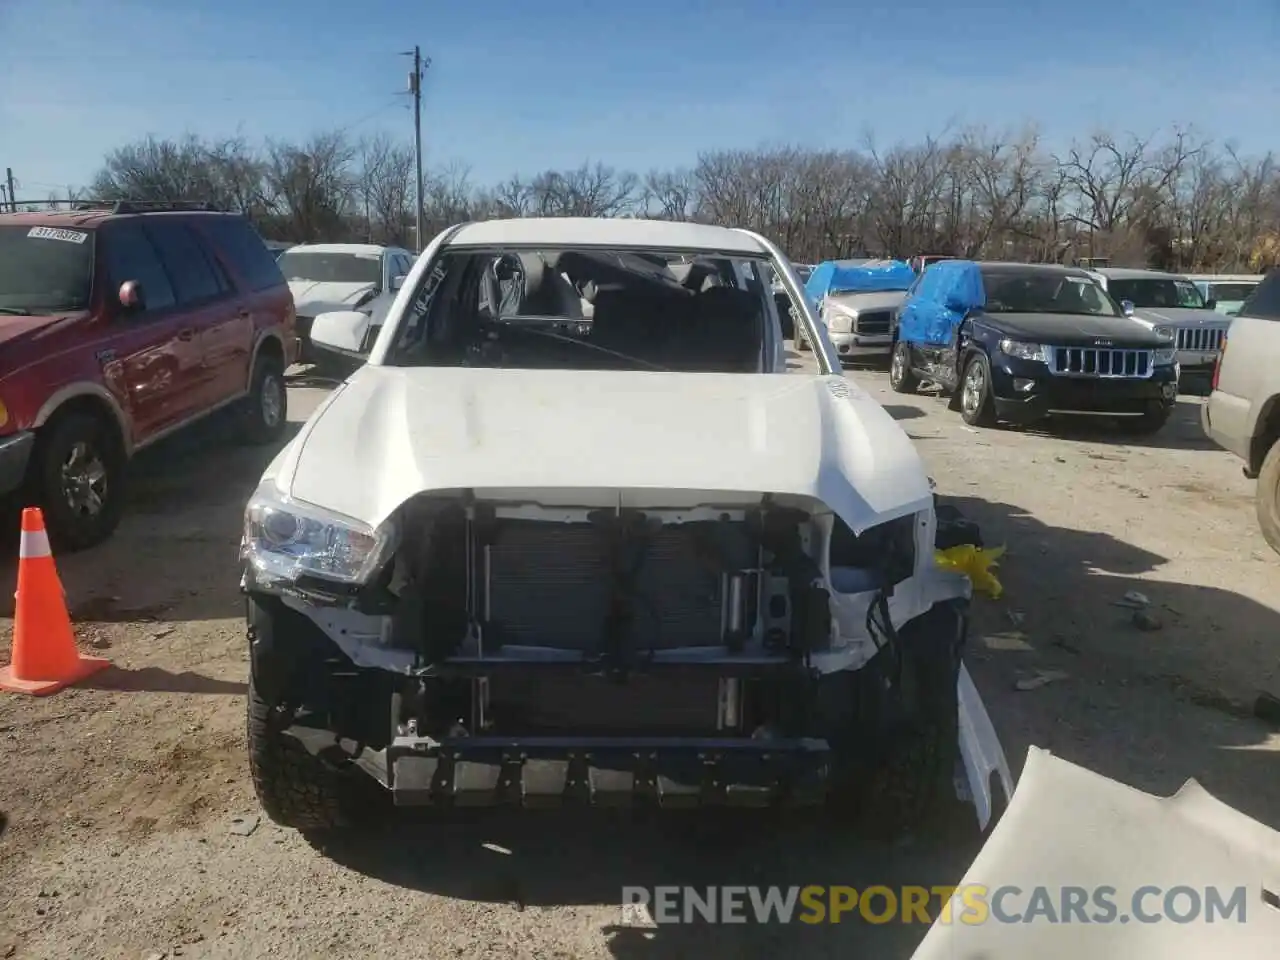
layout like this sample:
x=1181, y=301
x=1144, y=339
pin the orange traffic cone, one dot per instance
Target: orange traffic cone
x=45, y=658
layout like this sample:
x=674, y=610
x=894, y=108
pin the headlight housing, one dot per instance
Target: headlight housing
x=285, y=539
x=838, y=321
x=1024, y=351
x=1165, y=333
x=1164, y=356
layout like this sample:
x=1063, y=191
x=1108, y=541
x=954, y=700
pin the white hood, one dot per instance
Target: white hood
x=312, y=297
x=857, y=302
x=1067, y=827
x=1180, y=317
x=390, y=433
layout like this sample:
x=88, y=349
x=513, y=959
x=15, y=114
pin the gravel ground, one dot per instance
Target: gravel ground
x=123, y=796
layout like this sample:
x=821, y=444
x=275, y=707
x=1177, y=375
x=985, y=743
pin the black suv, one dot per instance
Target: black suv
x=1022, y=342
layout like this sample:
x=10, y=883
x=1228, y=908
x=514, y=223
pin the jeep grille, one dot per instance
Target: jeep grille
x=1200, y=338
x=1099, y=362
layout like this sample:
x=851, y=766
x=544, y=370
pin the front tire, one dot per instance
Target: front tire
x=79, y=470
x=1268, y=497
x=901, y=377
x=896, y=750
x=977, y=408
x=265, y=410
x=295, y=788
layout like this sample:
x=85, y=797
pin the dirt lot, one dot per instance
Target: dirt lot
x=121, y=797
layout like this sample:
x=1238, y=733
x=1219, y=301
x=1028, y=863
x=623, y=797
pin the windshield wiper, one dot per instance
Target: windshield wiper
x=15, y=312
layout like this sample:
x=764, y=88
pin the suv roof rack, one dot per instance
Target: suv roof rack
x=109, y=206
x=145, y=206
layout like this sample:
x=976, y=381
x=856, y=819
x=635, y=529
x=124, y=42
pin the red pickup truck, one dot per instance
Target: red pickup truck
x=120, y=324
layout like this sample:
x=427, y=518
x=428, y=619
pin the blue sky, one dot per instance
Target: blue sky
x=517, y=87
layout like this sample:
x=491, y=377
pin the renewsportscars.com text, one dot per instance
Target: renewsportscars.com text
x=969, y=904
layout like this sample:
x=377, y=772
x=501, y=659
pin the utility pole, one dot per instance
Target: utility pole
x=13, y=197
x=415, y=90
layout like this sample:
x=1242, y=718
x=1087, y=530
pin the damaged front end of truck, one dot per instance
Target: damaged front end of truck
x=610, y=646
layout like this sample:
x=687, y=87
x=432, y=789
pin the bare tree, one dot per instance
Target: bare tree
x=312, y=185
x=1178, y=201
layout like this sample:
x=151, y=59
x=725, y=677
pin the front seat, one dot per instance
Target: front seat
x=546, y=291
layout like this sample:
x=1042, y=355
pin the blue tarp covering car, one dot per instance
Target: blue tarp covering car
x=948, y=290
x=843, y=276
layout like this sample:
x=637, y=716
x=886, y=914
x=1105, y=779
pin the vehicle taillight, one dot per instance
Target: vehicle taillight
x=1217, y=364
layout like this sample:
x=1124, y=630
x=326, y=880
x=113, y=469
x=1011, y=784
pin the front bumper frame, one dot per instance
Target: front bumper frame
x=607, y=771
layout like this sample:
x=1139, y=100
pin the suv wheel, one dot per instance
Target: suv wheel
x=901, y=379
x=266, y=409
x=976, y=406
x=1268, y=497
x=80, y=470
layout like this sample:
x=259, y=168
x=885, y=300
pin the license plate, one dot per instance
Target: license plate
x=1194, y=358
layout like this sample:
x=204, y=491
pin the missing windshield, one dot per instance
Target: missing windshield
x=589, y=309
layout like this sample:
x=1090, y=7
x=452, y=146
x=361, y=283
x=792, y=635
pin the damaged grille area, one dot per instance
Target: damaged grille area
x=552, y=584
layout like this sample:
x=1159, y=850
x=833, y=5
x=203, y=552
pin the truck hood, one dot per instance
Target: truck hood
x=1067, y=330
x=311, y=297
x=1069, y=827
x=856, y=302
x=1180, y=317
x=599, y=438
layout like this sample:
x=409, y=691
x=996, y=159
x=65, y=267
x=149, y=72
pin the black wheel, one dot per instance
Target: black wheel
x=895, y=740
x=976, y=406
x=1152, y=421
x=901, y=378
x=295, y=788
x=1268, y=497
x=79, y=471
x=265, y=410
x=915, y=786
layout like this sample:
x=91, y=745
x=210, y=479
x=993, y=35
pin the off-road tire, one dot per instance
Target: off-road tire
x=1149, y=423
x=1268, y=496
x=901, y=377
x=295, y=788
x=914, y=787
x=259, y=425
x=68, y=530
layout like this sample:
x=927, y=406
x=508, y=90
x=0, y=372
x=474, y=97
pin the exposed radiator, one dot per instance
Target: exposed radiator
x=550, y=584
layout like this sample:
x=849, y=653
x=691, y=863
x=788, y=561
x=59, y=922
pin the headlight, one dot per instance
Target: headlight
x=1165, y=333
x=838, y=322
x=285, y=539
x=1024, y=351
x=1164, y=356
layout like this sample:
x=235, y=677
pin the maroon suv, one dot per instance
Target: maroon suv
x=120, y=324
